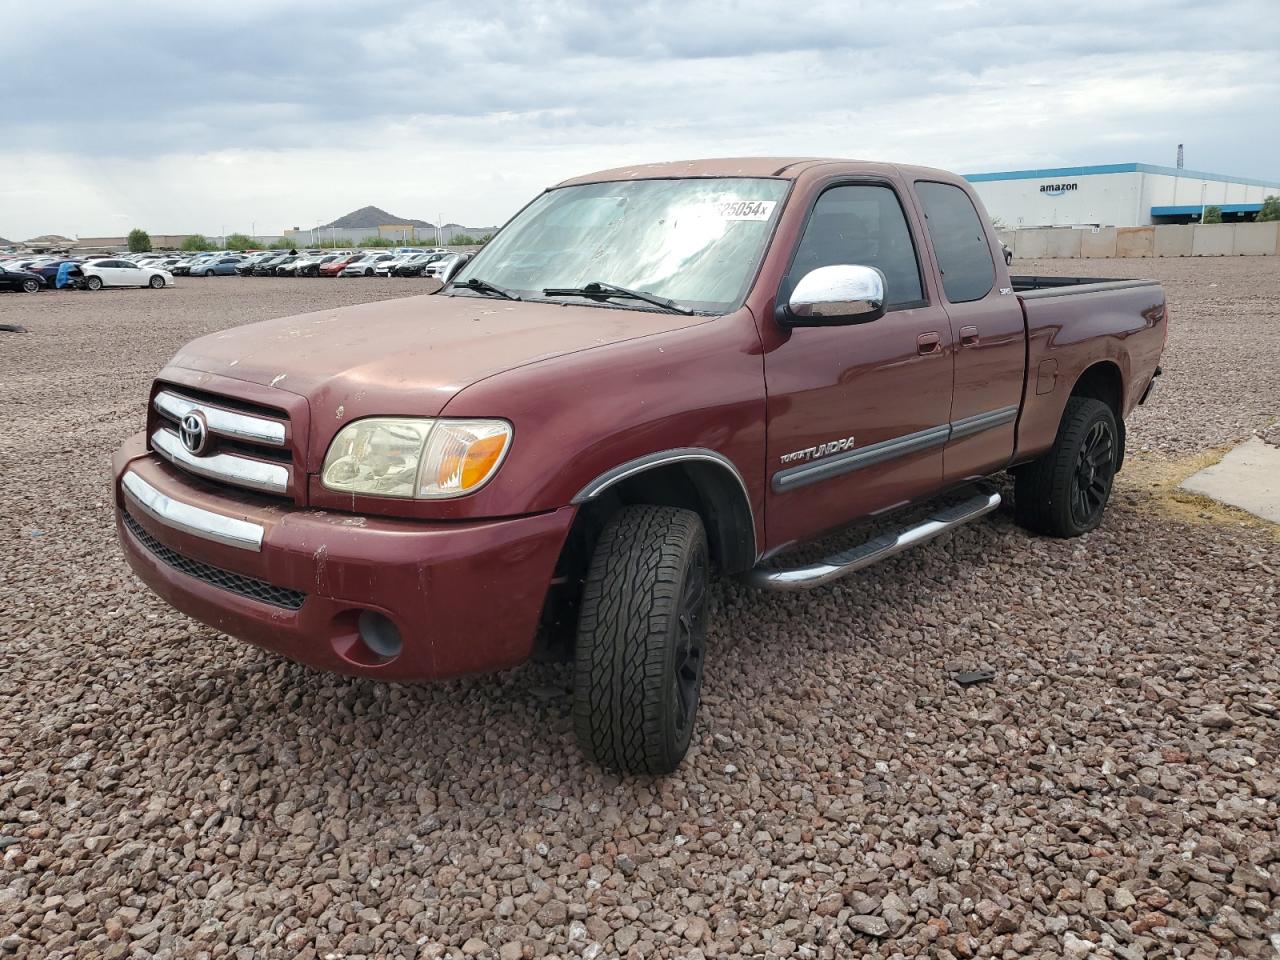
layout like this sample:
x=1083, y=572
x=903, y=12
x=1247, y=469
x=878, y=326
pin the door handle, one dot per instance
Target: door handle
x=968, y=336
x=928, y=344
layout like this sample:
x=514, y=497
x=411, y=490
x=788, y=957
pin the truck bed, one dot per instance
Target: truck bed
x=1030, y=286
x=1073, y=323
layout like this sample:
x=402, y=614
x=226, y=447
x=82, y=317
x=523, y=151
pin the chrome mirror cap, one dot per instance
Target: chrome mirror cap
x=841, y=293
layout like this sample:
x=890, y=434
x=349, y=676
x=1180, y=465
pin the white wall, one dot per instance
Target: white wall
x=1107, y=199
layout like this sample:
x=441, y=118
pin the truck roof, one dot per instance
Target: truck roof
x=787, y=168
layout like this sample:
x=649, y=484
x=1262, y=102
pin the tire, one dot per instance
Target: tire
x=1064, y=493
x=642, y=640
x=156, y=282
x=30, y=285
x=93, y=283
x=208, y=273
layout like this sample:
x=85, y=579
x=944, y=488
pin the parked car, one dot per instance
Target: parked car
x=384, y=268
x=308, y=265
x=285, y=265
x=216, y=266
x=432, y=489
x=446, y=266
x=364, y=266
x=115, y=272
x=245, y=267
x=266, y=267
x=15, y=279
x=414, y=265
x=48, y=270
x=338, y=264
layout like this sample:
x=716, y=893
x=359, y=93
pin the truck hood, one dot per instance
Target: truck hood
x=408, y=356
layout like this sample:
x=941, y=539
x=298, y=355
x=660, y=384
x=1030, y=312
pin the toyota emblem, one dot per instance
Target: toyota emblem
x=194, y=432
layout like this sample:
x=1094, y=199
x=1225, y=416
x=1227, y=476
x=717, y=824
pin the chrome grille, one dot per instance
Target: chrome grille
x=248, y=446
x=249, y=587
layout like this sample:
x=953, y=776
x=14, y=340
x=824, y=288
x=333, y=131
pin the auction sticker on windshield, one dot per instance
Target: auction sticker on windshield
x=744, y=209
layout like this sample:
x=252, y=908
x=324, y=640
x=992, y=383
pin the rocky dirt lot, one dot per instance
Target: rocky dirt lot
x=1113, y=792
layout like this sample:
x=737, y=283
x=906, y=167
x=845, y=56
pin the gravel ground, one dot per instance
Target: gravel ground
x=166, y=791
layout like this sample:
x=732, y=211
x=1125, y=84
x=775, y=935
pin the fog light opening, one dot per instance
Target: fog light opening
x=380, y=634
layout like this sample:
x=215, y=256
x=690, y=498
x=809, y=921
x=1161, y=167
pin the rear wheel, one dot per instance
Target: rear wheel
x=641, y=642
x=31, y=285
x=156, y=282
x=93, y=283
x=1065, y=492
x=208, y=273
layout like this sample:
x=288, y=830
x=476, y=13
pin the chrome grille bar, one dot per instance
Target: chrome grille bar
x=227, y=423
x=225, y=467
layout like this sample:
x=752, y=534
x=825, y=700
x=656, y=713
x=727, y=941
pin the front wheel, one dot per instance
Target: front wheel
x=156, y=282
x=1065, y=492
x=31, y=285
x=208, y=273
x=93, y=283
x=641, y=641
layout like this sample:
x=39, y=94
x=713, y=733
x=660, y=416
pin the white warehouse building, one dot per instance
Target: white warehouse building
x=1115, y=195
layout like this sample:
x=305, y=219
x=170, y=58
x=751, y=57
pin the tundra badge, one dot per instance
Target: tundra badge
x=821, y=450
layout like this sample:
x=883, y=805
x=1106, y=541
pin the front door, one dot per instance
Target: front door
x=857, y=415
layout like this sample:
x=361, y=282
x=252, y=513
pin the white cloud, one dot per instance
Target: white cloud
x=279, y=115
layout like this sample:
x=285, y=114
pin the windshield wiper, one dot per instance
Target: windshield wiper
x=606, y=290
x=484, y=286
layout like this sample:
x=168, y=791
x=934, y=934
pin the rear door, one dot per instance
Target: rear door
x=990, y=358
x=857, y=415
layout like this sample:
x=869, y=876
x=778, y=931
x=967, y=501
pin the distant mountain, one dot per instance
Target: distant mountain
x=370, y=218
x=5, y=243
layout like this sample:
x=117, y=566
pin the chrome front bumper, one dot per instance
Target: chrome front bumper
x=189, y=519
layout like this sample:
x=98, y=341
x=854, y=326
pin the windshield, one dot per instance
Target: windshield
x=695, y=241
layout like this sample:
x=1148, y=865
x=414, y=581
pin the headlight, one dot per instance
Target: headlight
x=409, y=457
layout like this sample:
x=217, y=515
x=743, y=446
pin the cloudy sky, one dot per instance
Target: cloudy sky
x=214, y=117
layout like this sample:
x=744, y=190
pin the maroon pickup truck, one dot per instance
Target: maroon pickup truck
x=651, y=376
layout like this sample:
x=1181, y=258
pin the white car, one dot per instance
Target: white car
x=111, y=272
x=444, y=268
x=364, y=267
x=387, y=267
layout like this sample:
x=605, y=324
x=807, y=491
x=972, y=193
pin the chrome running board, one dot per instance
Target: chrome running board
x=874, y=550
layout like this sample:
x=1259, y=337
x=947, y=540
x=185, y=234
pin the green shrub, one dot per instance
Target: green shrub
x=284, y=243
x=139, y=241
x=1211, y=215
x=196, y=243
x=379, y=242
x=240, y=241
x=1270, y=209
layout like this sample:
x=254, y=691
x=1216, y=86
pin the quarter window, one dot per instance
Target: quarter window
x=959, y=241
x=861, y=224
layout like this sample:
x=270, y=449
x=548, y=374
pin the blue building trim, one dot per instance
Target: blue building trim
x=1105, y=168
x=1194, y=209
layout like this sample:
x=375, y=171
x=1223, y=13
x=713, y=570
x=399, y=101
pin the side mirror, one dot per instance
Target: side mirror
x=834, y=296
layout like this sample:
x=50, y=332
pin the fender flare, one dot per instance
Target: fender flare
x=677, y=455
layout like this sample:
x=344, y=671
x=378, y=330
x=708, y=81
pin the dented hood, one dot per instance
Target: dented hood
x=409, y=356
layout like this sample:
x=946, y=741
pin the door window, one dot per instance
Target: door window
x=861, y=224
x=959, y=241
